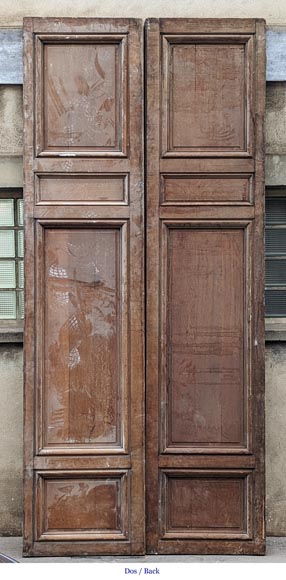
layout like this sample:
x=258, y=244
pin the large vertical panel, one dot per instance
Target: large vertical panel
x=84, y=413
x=205, y=360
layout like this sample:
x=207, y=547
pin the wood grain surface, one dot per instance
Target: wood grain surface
x=205, y=338
x=84, y=342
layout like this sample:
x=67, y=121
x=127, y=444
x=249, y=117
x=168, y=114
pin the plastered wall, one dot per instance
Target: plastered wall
x=11, y=134
x=274, y=12
x=11, y=412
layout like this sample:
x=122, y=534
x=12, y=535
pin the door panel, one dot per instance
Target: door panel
x=82, y=505
x=85, y=383
x=206, y=114
x=82, y=109
x=84, y=397
x=199, y=504
x=206, y=398
x=205, y=426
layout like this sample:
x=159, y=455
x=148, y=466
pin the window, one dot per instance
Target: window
x=11, y=257
x=275, y=253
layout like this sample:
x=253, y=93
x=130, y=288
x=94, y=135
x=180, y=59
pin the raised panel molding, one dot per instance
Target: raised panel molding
x=82, y=189
x=82, y=505
x=83, y=113
x=206, y=123
x=206, y=503
x=205, y=340
x=213, y=189
x=83, y=313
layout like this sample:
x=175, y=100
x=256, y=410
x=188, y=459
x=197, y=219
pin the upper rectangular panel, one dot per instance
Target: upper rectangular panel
x=81, y=110
x=207, y=95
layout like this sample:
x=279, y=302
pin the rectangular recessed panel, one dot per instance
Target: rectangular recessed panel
x=7, y=244
x=275, y=303
x=191, y=188
x=6, y=212
x=206, y=99
x=198, y=503
x=83, y=381
x=82, y=506
x=83, y=189
x=7, y=305
x=83, y=95
x=205, y=337
x=275, y=240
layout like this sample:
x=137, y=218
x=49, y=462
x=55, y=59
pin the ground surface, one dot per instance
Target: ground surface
x=276, y=552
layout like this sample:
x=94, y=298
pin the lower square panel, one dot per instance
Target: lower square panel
x=82, y=505
x=206, y=504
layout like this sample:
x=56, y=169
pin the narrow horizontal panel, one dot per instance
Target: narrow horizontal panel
x=275, y=303
x=185, y=495
x=209, y=461
x=206, y=166
x=78, y=462
x=6, y=212
x=94, y=213
x=61, y=165
x=275, y=240
x=82, y=505
x=215, y=188
x=80, y=189
x=206, y=212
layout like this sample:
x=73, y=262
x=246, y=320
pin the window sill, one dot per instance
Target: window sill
x=11, y=331
x=275, y=329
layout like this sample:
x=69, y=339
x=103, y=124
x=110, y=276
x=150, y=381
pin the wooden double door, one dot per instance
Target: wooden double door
x=114, y=463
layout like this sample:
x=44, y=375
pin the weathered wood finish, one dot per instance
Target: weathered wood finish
x=84, y=398
x=205, y=341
